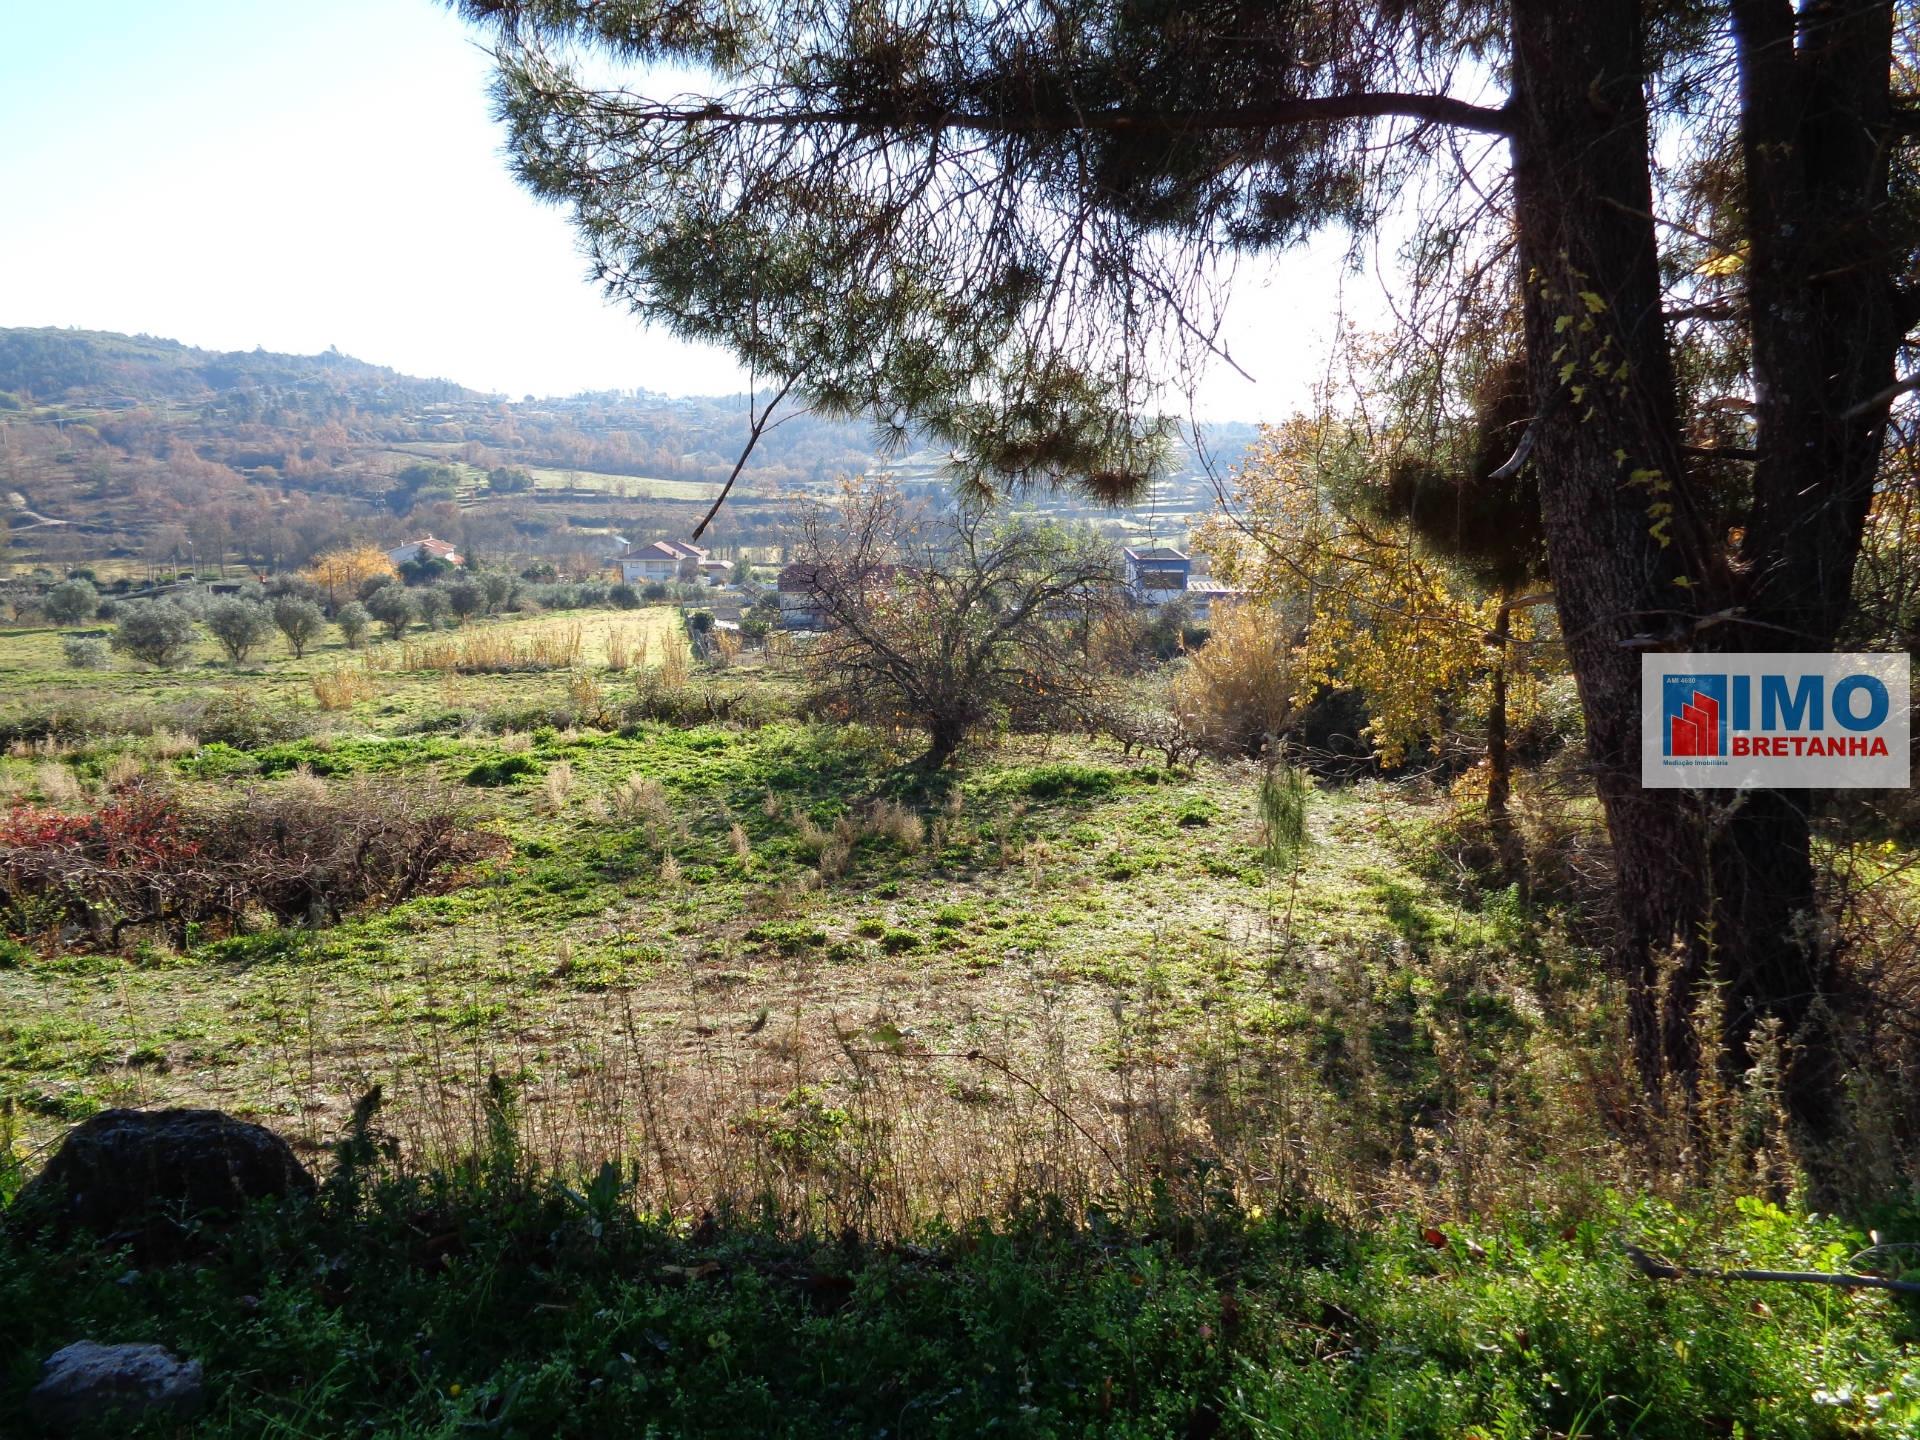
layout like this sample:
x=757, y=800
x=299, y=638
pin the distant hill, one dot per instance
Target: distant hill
x=93, y=367
x=143, y=452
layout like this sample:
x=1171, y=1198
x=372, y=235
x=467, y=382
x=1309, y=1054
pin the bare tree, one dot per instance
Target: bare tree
x=951, y=623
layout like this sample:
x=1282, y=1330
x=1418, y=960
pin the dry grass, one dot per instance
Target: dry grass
x=835, y=856
x=813, y=839
x=1238, y=688
x=641, y=799
x=676, y=666
x=58, y=786
x=303, y=787
x=165, y=744
x=589, y=700
x=881, y=1104
x=556, y=787
x=342, y=687
x=627, y=647
x=898, y=823
x=123, y=770
x=498, y=650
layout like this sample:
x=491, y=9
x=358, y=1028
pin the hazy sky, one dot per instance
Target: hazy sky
x=233, y=173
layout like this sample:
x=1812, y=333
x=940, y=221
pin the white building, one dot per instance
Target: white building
x=663, y=560
x=425, y=548
x=1163, y=575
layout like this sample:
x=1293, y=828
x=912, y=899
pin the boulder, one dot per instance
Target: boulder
x=86, y=1385
x=144, y=1175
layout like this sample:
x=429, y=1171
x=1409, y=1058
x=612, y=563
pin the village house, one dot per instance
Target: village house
x=425, y=548
x=664, y=561
x=799, y=595
x=798, y=589
x=1163, y=576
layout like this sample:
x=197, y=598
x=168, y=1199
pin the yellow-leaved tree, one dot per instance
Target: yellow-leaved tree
x=1321, y=524
x=341, y=572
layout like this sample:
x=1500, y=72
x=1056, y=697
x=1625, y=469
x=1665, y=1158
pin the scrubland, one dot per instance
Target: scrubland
x=734, y=1076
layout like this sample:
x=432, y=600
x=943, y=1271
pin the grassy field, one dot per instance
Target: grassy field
x=35, y=678
x=1062, y=1014
x=636, y=487
x=1062, y=960
x=547, y=477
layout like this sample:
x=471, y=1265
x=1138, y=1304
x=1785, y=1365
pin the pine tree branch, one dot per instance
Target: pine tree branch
x=1272, y=115
x=759, y=424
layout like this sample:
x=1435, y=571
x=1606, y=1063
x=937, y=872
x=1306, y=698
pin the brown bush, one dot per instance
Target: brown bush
x=1237, y=690
x=150, y=857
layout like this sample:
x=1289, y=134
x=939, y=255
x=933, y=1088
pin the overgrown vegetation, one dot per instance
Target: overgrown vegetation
x=489, y=1297
x=147, y=858
x=1207, y=1034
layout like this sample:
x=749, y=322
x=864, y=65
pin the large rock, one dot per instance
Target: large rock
x=87, y=1385
x=145, y=1175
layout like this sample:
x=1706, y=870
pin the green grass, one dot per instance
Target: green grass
x=1051, y=1053
x=488, y=1300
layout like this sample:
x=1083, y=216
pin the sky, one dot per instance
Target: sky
x=241, y=173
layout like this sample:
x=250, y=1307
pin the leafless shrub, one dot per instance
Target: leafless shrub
x=951, y=626
x=151, y=857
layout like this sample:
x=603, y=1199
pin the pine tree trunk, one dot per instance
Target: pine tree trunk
x=1722, y=883
x=1499, y=764
x=1606, y=452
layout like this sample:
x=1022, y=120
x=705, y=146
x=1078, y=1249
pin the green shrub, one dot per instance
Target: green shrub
x=71, y=602
x=1066, y=779
x=504, y=770
x=86, y=652
x=157, y=632
x=1196, y=811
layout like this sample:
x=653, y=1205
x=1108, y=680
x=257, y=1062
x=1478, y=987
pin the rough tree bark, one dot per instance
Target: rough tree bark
x=1499, y=764
x=1725, y=883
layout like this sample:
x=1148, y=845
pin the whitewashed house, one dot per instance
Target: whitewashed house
x=665, y=559
x=425, y=548
x=1163, y=575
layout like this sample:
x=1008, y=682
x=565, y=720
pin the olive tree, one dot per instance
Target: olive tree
x=353, y=621
x=299, y=620
x=239, y=626
x=71, y=602
x=393, y=607
x=157, y=632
